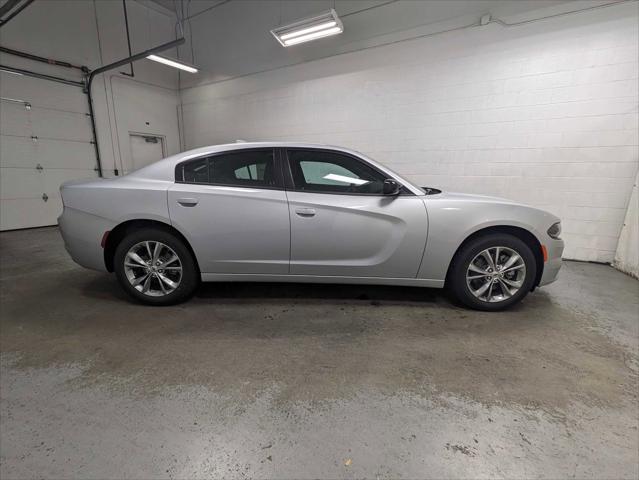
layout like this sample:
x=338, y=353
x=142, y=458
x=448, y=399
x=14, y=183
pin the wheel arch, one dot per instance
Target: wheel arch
x=524, y=235
x=123, y=229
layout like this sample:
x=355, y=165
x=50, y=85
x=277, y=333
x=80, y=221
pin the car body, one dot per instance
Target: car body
x=296, y=212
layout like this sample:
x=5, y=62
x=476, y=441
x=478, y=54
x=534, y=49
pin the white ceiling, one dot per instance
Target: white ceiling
x=232, y=38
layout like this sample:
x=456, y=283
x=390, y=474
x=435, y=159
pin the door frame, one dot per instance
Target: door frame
x=277, y=166
x=208, y=188
x=141, y=134
x=289, y=184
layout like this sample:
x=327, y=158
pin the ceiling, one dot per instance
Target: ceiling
x=232, y=38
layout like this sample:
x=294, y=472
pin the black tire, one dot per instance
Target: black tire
x=190, y=274
x=457, y=282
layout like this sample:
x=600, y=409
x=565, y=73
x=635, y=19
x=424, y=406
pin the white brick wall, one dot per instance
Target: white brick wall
x=544, y=113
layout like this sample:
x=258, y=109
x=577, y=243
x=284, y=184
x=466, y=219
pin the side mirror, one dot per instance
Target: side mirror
x=391, y=187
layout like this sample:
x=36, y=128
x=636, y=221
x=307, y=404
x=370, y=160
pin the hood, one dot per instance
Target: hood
x=518, y=209
x=475, y=198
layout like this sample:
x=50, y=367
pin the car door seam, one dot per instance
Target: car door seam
x=421, y=261
x=290, y=231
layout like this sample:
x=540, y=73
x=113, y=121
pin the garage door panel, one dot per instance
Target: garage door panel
x=55, y=95
x=25, y=213
x=15, y=119
x=49, y=153
x=41, y=147
x=53, y=178
x=17, y=152
x=61, y=125
x=51, y=209
x=20, y=183
x=62, y=154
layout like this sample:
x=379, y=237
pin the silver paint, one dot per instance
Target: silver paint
x=249, y=234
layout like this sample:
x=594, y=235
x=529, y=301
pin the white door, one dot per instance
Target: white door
x=145, y=149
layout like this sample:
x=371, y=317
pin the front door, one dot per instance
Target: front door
x=342, y=224
x=232, y=207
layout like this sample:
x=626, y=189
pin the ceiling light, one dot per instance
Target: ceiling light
x=304, y=31
x=313, y=36
x=308, y=29
x=173, y=63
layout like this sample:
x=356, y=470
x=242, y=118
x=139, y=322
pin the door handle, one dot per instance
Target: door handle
x=305, y=212
x=187, y=202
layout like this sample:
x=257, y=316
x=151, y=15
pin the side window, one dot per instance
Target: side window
x=196, y=171
x=251, y=168
x=321, y=171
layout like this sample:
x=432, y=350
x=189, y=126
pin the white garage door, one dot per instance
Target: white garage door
x=45, y=140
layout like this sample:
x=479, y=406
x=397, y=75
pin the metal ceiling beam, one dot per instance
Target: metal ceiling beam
x=8, y=6
x=29, y=73
x=37, y=58
x=137, y=56
x=15, y=12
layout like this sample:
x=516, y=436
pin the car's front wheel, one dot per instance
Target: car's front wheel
x=155, y=267
x=492, y=272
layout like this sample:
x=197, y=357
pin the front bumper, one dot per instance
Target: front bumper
x=555, y=249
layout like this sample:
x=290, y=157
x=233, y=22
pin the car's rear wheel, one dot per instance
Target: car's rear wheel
x=492, y=272
x=155, y=267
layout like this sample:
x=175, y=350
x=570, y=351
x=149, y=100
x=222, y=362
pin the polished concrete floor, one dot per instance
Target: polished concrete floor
x=301, y=381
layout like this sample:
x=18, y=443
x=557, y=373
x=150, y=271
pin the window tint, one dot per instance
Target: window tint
x=251, y=168
x=196, y=171
x=320, y=171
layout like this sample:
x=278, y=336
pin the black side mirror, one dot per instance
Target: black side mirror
x=391, y=187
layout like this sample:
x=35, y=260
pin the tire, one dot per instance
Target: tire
x=507, y=288
x=131, y=264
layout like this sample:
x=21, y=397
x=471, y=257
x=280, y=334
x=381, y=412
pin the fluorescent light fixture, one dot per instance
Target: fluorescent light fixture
x=319, y=26
x=313, y=36
x=173, y=63
x=344, y=179
x=304, y=31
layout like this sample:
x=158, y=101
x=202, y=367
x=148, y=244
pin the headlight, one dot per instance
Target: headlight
x=555, y=230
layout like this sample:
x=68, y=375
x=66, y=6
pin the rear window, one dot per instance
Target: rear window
x=196, y=171
x=251, y=168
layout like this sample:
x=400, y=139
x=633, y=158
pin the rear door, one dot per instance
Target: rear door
x=342, y=224
x=233, y=209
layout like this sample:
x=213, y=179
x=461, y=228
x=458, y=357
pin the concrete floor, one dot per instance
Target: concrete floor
x=283, y=381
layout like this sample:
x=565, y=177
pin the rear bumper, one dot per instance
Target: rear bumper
x=82, y=234
x=552, y=266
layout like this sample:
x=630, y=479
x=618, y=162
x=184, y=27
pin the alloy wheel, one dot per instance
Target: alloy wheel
x=496, y=274
x=153, y=268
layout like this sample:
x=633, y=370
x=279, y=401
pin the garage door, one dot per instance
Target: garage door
x=45, y=140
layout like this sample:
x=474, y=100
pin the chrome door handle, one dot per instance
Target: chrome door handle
x=305, y=212
x=187, y=202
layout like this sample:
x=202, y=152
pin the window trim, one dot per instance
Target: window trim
x=290, y=183
x=279, y=181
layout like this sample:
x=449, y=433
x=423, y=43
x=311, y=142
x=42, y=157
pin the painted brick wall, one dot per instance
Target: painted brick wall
x=545, y=113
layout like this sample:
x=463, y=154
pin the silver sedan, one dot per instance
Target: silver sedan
x=292, y=212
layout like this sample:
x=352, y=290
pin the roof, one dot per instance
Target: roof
x=164, y=169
